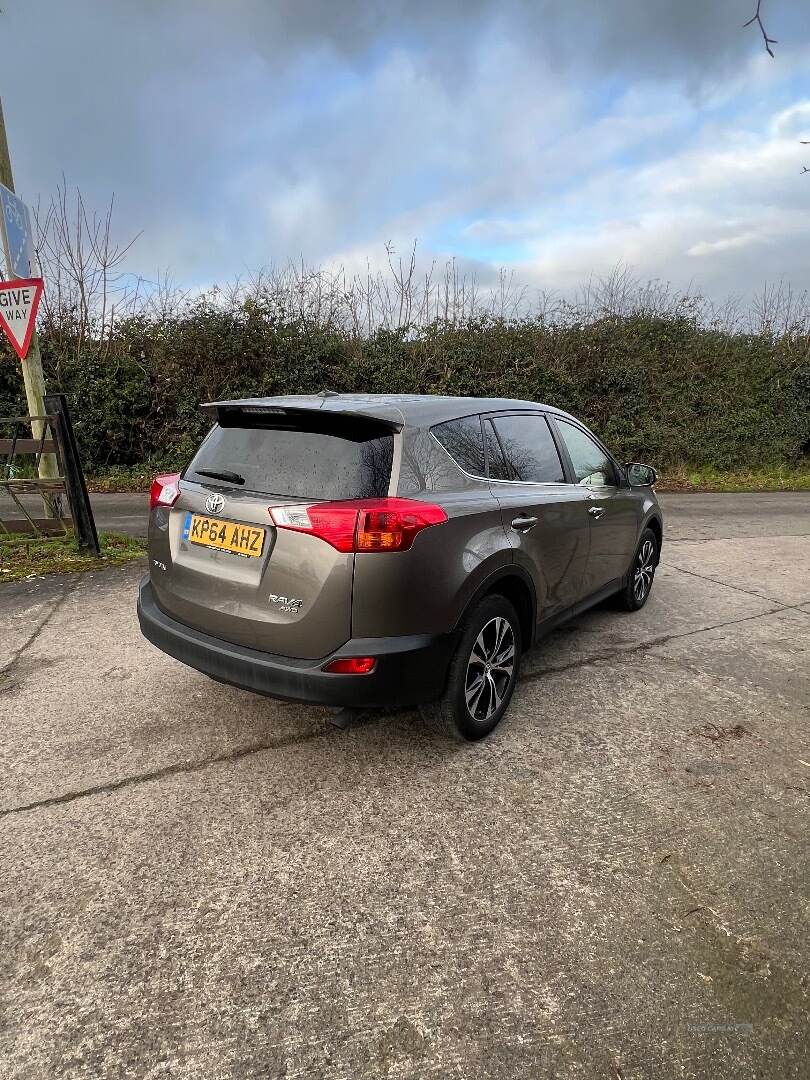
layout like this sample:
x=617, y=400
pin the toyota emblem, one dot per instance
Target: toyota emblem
x=215, y=504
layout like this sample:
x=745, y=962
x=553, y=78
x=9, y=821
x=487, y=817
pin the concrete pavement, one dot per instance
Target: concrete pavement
x=198, y=883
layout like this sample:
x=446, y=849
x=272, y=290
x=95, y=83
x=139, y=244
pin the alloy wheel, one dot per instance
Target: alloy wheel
x=490, y=669
x=645, y=568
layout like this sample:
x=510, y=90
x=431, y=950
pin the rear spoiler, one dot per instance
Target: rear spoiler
x=349, y=422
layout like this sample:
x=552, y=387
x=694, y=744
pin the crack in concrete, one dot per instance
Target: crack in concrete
x=176, y=769
x=181, y=768
x=737, y=588
x=68, y=590
x=644, y=646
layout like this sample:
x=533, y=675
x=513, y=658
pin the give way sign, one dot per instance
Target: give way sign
x=19, y=301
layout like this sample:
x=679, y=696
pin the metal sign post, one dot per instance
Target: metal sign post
x=13, y=229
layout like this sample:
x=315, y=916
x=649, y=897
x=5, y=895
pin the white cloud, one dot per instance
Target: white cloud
x=727, y=209
x=710, y=247
x=558, y=139
x=793, y=122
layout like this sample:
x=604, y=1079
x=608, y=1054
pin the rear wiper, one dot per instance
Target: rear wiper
x=225, y=474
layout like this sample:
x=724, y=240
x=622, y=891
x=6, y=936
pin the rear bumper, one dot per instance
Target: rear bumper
x=409, y=670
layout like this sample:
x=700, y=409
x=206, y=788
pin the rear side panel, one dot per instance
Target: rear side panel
x=425, y=590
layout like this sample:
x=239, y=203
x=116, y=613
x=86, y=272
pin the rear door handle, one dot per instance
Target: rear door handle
x=523, y=524
x=597, y=511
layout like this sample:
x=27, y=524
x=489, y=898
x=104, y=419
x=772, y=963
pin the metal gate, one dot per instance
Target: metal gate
x=20, y=459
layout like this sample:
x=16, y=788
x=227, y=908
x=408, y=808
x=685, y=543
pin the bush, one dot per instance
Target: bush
x=661, y=388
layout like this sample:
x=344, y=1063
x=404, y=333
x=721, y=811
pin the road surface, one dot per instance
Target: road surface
x=198, y=883
x=692, y=516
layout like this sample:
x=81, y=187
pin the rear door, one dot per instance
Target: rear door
x=217, y=561
x=612, y=509
x=545, y=518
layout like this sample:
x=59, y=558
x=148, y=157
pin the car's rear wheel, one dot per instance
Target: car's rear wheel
x=634, y=595
x=482, y=673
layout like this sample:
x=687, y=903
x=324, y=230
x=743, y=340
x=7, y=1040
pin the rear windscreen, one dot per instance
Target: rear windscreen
x=315, y=457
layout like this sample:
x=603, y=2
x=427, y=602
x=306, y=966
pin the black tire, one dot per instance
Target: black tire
x=451, y=715
x=640, y=579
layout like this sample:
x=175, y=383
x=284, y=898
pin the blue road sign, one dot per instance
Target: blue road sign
x=18, y=239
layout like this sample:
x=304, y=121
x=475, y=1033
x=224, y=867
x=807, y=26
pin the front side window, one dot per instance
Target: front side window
x=592, y=466
x=521, y=448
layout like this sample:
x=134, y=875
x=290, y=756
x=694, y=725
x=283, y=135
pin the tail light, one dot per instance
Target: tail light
x=165, y=490
x=350, y=665
x=361, y=524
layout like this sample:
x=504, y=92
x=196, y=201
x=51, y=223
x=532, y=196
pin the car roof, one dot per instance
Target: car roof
x=417, y=410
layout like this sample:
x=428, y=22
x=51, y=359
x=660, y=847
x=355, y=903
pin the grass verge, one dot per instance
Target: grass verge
x=138, y=478
x=24, y=557
x=775, y=478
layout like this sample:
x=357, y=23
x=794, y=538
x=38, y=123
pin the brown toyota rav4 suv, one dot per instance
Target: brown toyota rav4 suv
x=369, y=551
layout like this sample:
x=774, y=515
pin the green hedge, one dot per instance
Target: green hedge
x=662, y=390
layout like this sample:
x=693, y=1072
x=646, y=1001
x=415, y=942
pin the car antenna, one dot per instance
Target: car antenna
x=328, y=393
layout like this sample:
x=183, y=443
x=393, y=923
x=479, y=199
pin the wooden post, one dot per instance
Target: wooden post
x=33, y=376
x=6, y=175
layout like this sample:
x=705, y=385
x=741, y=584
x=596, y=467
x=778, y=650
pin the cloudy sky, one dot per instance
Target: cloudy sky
x=552, y=138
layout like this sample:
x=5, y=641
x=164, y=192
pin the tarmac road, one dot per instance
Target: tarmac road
x=690, y=516
x=197, y=883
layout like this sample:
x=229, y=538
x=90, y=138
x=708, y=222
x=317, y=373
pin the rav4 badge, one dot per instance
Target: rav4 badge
x=285, y=603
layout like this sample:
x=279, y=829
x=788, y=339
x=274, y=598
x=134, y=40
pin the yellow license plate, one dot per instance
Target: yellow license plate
x=224, y=535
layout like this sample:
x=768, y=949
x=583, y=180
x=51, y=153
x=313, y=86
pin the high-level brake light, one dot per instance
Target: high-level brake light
x=361, y=525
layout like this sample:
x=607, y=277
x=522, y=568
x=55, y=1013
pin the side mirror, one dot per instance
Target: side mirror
x=640, y=475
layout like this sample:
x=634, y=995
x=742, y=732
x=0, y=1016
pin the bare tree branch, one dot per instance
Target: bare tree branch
x=87, y=285
x=757, y=18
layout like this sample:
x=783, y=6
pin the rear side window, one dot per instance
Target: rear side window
x=306, y=458
x=463, y=442
x=521, y=448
